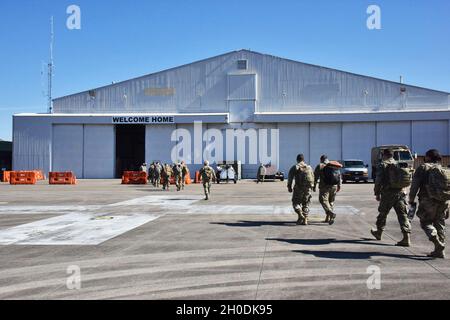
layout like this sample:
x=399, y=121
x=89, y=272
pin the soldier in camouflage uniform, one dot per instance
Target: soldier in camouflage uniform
x=327, y=193
x=261, y=173
x=157, y=175
x=301, y=197
x=208, y=175
x=432, y=213
x=390, y=198
x=167, y=174
x=151, y=173
x=177, y=174
x=184, y=173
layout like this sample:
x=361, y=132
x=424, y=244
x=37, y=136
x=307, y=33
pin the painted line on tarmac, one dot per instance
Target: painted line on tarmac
x=73, y=229
x=46, y=209
x=91, y=225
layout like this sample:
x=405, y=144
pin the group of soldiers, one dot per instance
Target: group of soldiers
x=430, y=182
x=162, y=174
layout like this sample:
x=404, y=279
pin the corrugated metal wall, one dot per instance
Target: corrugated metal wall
x=89, y=151
x=282, y=86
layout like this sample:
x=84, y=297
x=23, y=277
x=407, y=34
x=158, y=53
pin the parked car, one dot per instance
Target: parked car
x=354, y=170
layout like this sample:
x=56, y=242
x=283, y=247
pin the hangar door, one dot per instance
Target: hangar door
x=86, y=150
x=67, y=149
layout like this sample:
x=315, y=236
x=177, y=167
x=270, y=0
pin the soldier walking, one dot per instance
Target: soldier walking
x=261, y=173
x=184, y=173
x=329, y=179
x=431, y=182
x=303, y=176
x=151, y=173
x=167, y=175
x=390, y=184
x=177, y=174
x=208, y=175
x=157, y=175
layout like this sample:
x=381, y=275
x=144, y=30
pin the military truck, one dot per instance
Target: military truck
x=402, y=153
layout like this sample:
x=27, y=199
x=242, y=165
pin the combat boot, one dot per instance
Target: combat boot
x=405, y=242
x=438, y=249
x=305, y=221
x=301, y=217
x=332, y=218
x=377, y=234
x=327, y=218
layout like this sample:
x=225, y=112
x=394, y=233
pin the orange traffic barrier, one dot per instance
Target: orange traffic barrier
x=134, y=177
x=62, y=178
x=187, y=179
x=39, y=175
x=6, y=176
x=22, y=177
x=198, y=177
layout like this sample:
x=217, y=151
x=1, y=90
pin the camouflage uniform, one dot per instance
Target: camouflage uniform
x=390, y=198
x=261, y=174
x=151, y=173
x=301, y=197
x=184, y=173
x=207, y=174
x=157, y=175
x=167, y=175
x=431, y=212
x=177, y=175
x=327, y=193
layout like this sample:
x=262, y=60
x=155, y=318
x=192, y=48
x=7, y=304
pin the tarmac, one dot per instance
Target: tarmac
x=103, y=240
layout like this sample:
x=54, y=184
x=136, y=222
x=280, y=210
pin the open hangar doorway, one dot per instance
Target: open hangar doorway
x=130, y=148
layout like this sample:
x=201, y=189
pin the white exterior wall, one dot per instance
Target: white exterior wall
x=32, y=144
x=88, y=147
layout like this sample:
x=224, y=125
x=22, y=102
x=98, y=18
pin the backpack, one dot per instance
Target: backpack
x=331, y=175
x=207, y=173
x=398, y=177
x=304, y=177
x=176, y=170
x=438, y=184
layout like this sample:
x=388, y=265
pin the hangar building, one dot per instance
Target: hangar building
x=282, y=107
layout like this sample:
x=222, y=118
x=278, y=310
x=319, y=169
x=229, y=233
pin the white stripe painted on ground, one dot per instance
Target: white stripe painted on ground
x=175, y=200
x=47, y=209
x=73, y=229
x=89, y=225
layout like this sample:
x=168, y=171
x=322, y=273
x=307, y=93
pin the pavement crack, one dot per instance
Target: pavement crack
x=262, y=264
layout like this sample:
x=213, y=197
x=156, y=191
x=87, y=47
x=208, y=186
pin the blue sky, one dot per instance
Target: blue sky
x=119, y=40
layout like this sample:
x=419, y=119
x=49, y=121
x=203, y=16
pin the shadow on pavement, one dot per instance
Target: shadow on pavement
x=244, y=223
x=357, y=255
x=316, y=242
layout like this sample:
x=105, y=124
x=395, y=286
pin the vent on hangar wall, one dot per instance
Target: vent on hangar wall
x=242, y=64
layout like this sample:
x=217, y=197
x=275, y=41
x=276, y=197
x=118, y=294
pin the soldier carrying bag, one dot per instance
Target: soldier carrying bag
x=331, y=175
x=207, y=174
x=438, y=184
x=304, y=177
x=399, y=175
